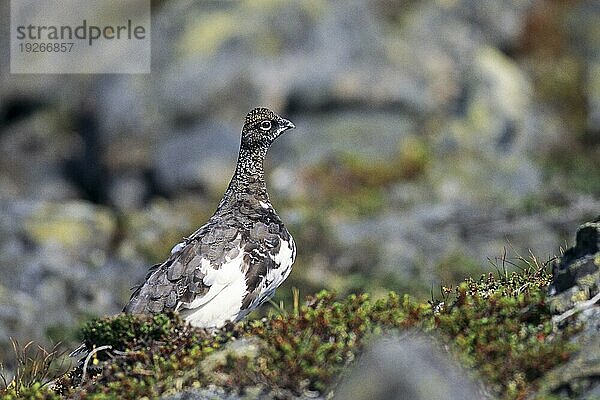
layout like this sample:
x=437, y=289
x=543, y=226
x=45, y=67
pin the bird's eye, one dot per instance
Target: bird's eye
x=265, y=125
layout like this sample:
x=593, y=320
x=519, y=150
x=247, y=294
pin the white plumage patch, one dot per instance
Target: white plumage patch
x=285, y=256
x=228, y=287
x=223, y=300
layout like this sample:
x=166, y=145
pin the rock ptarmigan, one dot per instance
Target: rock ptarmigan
x=236, y=260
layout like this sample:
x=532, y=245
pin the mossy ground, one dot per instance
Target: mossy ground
x=498, y=326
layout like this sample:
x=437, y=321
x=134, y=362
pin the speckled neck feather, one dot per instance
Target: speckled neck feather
x=249, y=176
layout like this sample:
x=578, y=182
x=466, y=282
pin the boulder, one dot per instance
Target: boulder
x=575, y=299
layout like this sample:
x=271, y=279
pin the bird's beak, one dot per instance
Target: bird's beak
x=287, y=124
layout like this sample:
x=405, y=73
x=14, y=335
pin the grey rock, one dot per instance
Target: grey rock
x=213, y=392
x=411, y=368
x=202, y=157
x=578, y=378
x=480, y=154
x=210, y=393
x=370, y=136
x=576, y=275
x=31, y=154
x=412, y=243
x=574, y=294
x=127, y=191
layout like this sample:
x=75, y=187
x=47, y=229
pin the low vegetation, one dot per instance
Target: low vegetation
x=499, y=326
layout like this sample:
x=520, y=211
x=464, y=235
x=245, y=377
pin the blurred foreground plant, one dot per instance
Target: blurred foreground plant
x=35, y=369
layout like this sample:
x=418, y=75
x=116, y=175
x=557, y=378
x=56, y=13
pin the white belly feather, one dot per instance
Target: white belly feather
x=228, y=287
x=223, y=300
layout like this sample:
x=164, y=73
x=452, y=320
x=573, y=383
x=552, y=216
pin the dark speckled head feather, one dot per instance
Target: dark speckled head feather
x=261, y=127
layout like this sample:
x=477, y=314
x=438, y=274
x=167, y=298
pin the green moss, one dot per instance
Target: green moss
x=37, y=391
x=503, y=328
x=126, y=331
x=499, y=325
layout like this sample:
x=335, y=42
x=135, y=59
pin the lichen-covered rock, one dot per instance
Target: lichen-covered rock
x=578, y=378
x=575, y=299
x=75, y=226
x=576, y=275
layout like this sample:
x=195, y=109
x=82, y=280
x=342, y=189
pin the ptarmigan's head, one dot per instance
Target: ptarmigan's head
x=261, y=127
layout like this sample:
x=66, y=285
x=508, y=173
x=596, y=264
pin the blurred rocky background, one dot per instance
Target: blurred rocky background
x=432, y=137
